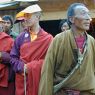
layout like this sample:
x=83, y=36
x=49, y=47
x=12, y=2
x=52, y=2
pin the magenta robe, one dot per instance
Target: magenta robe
x=32, y=54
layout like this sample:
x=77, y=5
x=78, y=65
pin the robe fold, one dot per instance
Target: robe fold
x=6, y=73
x=61, y=58
x=6, y=43
x=32, y=54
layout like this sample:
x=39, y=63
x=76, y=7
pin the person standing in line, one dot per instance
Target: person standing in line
x=28, y=52
x=63, y=25
x=8, y=25
x=7, y=84
x=69, y=66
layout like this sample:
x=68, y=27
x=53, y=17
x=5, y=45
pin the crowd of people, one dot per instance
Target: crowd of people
x=36, y=63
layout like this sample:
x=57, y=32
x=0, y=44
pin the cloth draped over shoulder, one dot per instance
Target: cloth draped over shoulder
x=32, y=54
x=6, y=43
x=61, y=58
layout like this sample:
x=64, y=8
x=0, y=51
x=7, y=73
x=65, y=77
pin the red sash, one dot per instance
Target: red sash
x=6, y=43
x=33, y=54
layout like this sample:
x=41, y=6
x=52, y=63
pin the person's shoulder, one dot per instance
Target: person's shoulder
x=58, y=38
x=14, y=33
x=4, y=35
x=90, y=37
x=46, y=33
x=61, y=35
x=22, y=34
x=20, y=37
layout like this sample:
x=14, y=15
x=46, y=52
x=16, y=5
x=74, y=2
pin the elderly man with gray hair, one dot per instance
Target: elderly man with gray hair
x=69, y=65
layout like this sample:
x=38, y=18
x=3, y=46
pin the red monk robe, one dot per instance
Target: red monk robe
x=33, y=54
x=6, y=43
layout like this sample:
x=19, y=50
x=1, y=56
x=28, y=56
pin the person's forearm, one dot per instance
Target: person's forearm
x=17, y=64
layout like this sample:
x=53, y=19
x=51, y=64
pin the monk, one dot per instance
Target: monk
x=8, y=25
x=69, y=66
x=29, y=51
x=7, y=84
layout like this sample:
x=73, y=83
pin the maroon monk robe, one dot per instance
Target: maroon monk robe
x=33, y=54
x=6, y=88
x=6, y=43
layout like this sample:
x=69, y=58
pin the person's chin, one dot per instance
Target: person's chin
x=87, y=28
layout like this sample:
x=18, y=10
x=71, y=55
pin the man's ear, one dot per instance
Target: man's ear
x=71, y=19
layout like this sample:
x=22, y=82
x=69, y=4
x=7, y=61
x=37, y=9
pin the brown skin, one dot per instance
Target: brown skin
x=7, y=25
x=82, y=23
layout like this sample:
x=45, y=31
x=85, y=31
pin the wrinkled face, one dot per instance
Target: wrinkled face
x=82, y=18
x=7, y=25
x=30, y=20
x=64, y=27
